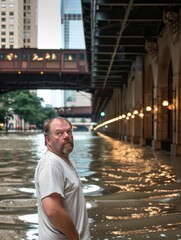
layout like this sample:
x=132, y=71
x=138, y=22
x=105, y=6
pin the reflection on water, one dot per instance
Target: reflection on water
x=131, y=192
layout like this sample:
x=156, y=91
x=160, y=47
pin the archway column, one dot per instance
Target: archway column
x=176, y=146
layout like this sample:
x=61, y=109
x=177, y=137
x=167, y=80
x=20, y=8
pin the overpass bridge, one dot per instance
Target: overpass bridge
x=44, y=69
x=74, y=112
x=77, y=112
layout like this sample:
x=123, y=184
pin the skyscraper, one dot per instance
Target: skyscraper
x=72, y=25
x=72, y=35
x=18, y=28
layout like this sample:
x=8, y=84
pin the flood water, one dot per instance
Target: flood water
x=131, y=192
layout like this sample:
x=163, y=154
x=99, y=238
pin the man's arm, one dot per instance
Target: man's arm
x=54, y=210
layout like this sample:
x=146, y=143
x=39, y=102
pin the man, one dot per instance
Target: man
x=62, y=212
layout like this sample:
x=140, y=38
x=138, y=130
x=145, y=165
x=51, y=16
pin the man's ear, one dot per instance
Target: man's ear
x=47, y=139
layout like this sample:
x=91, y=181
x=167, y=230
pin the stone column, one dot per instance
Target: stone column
x=176, y=146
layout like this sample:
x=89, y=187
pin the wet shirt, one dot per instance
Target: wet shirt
x=54, y=174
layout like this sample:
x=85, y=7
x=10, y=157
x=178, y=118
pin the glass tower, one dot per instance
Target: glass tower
x=72, y=25
x=72, y=35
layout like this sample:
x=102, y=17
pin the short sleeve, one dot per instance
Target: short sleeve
x=51, y=180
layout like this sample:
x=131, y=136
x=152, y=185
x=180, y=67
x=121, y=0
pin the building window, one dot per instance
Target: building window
x=3, y=39
x=3, y=19
x=11, y=40
x=69, y=57
x=11, y=46
x=11, y=13
x=3, y=33
x=81, y=56
x=11, y=28
x=11, y=33
x=3, y=5
x=3, y=26
x=3, y=13
x=11, y=21
x=3, y=46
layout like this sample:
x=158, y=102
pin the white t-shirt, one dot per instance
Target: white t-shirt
x=54, y=174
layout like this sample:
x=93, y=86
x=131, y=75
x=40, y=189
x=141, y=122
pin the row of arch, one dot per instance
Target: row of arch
x=154, y=91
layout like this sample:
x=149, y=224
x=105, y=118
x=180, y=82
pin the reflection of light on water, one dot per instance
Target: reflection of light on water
x=91, y=188
x=28, y=190
x=90, y=205
x=30, y=218
x=83, y=179
x=81, y=135
x=32, y=234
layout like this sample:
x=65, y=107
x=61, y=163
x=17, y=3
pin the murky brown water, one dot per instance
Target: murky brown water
x=131, y=192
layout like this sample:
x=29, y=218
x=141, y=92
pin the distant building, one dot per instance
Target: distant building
x=72, y=35
x=18, y=24
x=72, y=25
x=18, y=29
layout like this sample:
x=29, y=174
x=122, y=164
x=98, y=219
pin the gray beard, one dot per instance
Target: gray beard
x=67, y=149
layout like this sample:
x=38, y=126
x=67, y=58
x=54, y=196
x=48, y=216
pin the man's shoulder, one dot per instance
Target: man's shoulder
x=50, y=158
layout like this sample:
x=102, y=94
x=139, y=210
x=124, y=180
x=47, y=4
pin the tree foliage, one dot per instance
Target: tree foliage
x=26, y=105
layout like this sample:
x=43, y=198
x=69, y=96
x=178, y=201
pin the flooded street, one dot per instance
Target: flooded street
x=131, y=192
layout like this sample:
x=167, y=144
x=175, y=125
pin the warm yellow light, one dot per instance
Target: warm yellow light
x=141, y=115
x=165, y=103
x=171, y=107
x=135, y=112
x=19, y=72
x=148, y=108
x=128, y=114
x=123, y=116
x=132, y=116
x=70, y=58
x=42, y=72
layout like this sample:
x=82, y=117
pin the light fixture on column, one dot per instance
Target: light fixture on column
x=169, y=106
x=148, y=108
x=135, y=112
x=165, y=103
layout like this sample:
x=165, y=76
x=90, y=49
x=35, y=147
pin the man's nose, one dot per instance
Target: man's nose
x=65, y=134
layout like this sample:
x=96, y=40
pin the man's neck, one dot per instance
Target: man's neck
x=61, y=155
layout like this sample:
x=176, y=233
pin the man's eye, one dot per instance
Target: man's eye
x=60, y=133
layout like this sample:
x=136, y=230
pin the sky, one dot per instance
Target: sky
x=49, y=35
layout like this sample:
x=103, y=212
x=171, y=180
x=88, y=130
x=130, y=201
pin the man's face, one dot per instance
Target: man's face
x=60, y=140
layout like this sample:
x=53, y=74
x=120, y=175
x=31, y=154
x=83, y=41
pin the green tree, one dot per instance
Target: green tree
x=27, y=105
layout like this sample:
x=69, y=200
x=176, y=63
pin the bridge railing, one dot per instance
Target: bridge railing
x=42, y=60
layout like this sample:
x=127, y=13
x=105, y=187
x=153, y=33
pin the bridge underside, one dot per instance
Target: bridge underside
x=117, y=34
x=71, y=81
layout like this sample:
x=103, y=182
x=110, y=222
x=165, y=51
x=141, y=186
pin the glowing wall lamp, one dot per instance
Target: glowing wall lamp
x=148, y=108
x=166, y=104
